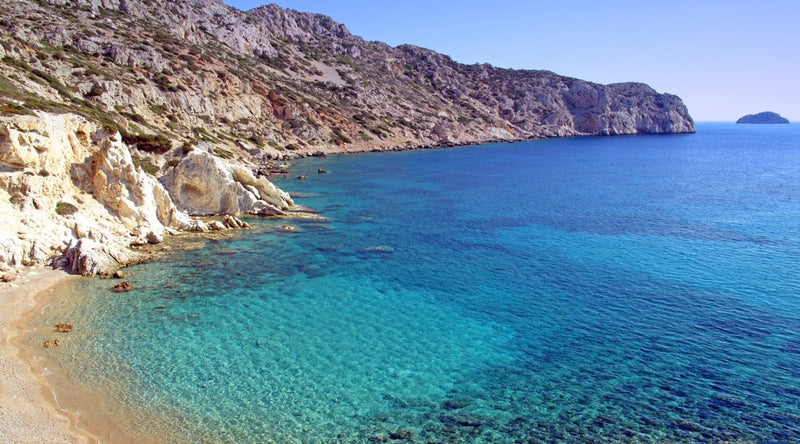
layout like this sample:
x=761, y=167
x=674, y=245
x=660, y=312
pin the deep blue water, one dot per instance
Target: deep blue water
x=633, y=289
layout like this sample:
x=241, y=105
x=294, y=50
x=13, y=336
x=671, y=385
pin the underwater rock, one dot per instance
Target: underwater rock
x=689, y=426
x=455, y=404
x=465, y=420
x=64, y=327
x=123, y=286
x=401, y=434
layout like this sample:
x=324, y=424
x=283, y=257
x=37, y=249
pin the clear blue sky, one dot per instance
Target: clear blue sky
x=725, y=59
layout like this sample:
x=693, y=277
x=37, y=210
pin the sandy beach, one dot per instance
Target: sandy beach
x=27, y=412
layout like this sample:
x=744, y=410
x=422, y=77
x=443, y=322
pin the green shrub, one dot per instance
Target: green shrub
x=44, y=173
x=8, y=109
x=66, y=208
x=151, y=143
x=147, y=167
x=257, y=140
x=187, y=148
x=138, y=118
x=221, y=152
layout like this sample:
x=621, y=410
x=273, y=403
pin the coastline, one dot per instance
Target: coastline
x=28, y=411
x=42, y=402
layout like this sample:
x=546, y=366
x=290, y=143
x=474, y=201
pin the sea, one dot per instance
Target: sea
x=592, y=289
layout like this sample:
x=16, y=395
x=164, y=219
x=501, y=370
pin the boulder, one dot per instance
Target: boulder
x=154, y=238
x=216, y=225
x=203, y=184
x=122, y=287
x=88, y=257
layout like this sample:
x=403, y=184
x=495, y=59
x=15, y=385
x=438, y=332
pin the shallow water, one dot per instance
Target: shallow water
x=631, y=289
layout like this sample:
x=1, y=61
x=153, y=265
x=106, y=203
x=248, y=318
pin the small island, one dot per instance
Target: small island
x=765, y=117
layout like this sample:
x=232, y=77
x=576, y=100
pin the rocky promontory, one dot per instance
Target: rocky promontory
x=120, y=120
x=767, y=117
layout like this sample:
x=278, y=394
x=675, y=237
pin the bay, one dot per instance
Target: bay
x=636, y=288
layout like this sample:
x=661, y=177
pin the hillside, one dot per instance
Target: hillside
x=277, y=80
x=120, y=120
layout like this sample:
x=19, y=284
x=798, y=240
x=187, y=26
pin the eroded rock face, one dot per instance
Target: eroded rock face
x=140, y=202
x=70, y=194
x=202, y=184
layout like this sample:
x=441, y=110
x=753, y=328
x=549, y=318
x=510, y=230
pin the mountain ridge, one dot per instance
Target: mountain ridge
x=122, y=120
x=300, y=80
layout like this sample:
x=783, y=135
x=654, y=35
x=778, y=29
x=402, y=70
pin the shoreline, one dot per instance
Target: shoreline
x=28, y=408
x=41, y=402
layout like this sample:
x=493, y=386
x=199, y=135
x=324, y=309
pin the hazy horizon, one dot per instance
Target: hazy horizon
x=723, y=61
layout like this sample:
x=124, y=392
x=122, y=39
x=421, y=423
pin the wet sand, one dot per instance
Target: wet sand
x=28, y=412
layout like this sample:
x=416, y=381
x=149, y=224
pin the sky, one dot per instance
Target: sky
x=725, y=59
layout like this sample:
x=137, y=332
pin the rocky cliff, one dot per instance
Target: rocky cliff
x=71, y=193
x=121, y=118
x=273, y=81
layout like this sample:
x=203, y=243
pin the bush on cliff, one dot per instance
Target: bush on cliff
x=151, y=143
x=65, y=208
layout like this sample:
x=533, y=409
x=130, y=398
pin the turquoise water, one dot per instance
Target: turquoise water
x=629, y=289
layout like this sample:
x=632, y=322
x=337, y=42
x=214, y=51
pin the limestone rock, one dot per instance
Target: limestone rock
x=302, y=85
x=154, y=238
x=216, y=225
x=202, y=184
x=87, y=257
x=138, y=200
x=234, y=222
x=70, y=195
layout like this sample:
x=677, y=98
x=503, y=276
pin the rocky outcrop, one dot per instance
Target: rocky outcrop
x=202, y=184
x=766, y=117
x=88, y=257
x=137, y=200
x=71, y=195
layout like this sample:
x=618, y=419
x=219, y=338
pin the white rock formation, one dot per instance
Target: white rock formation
x=70, y=194
x=202, y=184
x=140, y=202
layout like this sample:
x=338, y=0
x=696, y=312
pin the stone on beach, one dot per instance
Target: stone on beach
x=50, y=343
